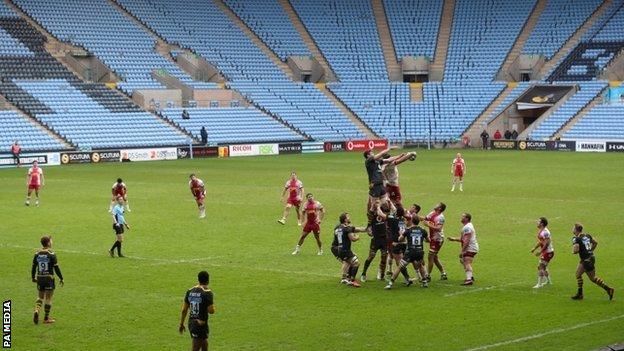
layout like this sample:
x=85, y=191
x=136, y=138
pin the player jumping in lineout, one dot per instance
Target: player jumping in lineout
x=294, y=188
x=390, y=173
x=119, y=189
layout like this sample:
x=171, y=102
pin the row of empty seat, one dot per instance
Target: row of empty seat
x=16, y=127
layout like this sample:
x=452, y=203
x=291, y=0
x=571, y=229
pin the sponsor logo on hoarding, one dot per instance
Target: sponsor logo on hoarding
x=183, y=152
x=561, y=145
x=532, y=145
x=362, y=145
x=150, y=154
x=254, y=149
x=75, y=157
x=312, y=147
x=7, y=161
x=290, y=148
x=590, y=146
x=333, y=146
x=503, y=144
x=105, y=156
x=615, y=146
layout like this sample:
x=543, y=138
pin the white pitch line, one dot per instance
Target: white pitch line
x=485, y=288
x=162, y=261
x=537, y=336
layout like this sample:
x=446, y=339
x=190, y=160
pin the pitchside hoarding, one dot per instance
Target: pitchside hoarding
x=290, y=148
x=615, y=146
x=334, y=146
x=43, y=158
x=155, y=154
x=311, y=147
x=366, y=144
x=253, y=150
x=590, y=146
x=198, y=152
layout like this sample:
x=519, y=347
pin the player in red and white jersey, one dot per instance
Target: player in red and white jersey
x=390, y=172
x=199, y=192
x=119, y=189
x=34, y=181
x=545, y=254
x=470, y=247
x=458, y=170
x=435, y=222
x=294, y=189
x=313, y=213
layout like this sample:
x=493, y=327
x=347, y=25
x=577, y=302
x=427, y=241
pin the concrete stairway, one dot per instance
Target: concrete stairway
x=516, y=50
x=572, y=121
x=347, y=111
x=254, y=38
x=477, y=126
x=330, y=76
x=387, y=45
x=444, y=35
x=9, y=106
x=574, y=40
x=416, y=92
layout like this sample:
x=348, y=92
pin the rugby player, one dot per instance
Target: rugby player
x=458, y=170
x=414, y=237
x=584, y=245
x=546, y=252
x=198, y=304
x=379, y=240
x=376, y=189
x=119, y=189
x=396, y=225
x=44, y=265
x=294, y=188
x=390, y=173
x=435, y=222
x=314, y=213
x=119, y=222
x=34, y=181
x=199, y=192
x=470, y=247
x=344, y=235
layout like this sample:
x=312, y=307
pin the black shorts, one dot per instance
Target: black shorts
x=399, y=249
x=413, y=256
x=45, y=283
x=379, y=244
x=589, y=264
x=198, y=331
x=118, y=228
x=342, y=255
x=377, y=190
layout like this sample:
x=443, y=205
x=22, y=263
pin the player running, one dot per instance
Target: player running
x=470, y=247
x=294, y=188
x=44, y=265
x=546, y=252
x=314, y=213
x=584, y=245
x=414, y=237
x=390, y=173
x=199, y=192
x=119, y=222
x=34, y=181
x=198, y=304
x=458, y=170
x=379, y=240
x=344, y=235
x=435, y=222
x=119, y=189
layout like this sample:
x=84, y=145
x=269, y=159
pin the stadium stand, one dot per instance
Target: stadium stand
x=244, y=125
x=559, y=20
x=603, y=122
x=269, y=21
x=587, y=92
x=510, y=98
x=414, y=26
x=31, y=138
x=346, y=33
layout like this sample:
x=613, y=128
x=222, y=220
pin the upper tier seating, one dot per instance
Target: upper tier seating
x=270, y=22
x=224, y=125
x=559, y=20
x=603, y=122
x=586, y=93
x=346, y=33
x=482, y=35
x=31, y=138
x=414, y=26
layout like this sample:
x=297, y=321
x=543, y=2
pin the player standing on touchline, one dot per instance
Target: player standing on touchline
x=294, y=188
x=458, y=170
x=34, y=181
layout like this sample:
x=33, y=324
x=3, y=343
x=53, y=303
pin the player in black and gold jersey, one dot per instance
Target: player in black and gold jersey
x=44, y=265
x=198, y=303
x=584, y=245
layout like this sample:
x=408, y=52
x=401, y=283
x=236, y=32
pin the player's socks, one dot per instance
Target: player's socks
x=600, y=283
x=366, y=265
x=404, y=273
x=37, y=202
x=469, y=275
x=27, y=203
x=112, y=250
x=46, y=309
x=610, y=292
x=282, y=221
x=38, y=304
x=119, y=249
x=461, y=186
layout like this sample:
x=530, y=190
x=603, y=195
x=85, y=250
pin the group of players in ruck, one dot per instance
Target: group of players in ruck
x=396, y=232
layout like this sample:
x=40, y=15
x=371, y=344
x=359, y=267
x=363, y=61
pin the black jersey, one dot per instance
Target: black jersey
x=44, y=262
x=584, y=242
x=341, y=236
x=373, y=168
x=198, y=299
x=379, y=228
x=395, y=225
x=415, y=238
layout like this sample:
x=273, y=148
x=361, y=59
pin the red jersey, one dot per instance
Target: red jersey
x=438, y=219
x=119, y=189
x=459, y=164
x=197, y=186
x=310, y=210
x=15, y=149
x=294, y=187
x=35, y=174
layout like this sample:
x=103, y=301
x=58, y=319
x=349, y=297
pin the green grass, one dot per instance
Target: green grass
x=267, y=299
